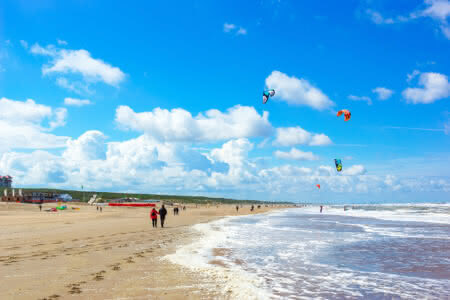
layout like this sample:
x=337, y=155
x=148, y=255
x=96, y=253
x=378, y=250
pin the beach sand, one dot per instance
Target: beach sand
x=114, y=254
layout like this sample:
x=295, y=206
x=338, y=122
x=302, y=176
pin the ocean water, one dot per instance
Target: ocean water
x=370, y=252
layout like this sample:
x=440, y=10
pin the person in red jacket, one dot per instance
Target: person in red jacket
x=154, y=216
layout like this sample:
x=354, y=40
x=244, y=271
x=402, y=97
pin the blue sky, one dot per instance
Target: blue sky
x=166, y=97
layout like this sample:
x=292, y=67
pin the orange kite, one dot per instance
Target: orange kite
x=347, y=114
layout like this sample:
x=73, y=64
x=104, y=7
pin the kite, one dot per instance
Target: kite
x=318, y=186
x=347, y=114
x=338, y=164
x=267, y=94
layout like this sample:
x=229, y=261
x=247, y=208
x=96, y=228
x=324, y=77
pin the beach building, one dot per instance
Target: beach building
x=34, y=197
x=6, y=181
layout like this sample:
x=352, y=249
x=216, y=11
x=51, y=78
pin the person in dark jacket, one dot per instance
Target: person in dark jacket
x=162, y=214
x=154, y=217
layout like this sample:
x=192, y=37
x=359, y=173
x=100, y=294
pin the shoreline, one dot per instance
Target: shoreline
x=101, y=255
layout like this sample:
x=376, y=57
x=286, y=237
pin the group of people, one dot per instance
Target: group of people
x=162, y=216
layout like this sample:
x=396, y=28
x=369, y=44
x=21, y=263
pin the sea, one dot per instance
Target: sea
x=346, y=252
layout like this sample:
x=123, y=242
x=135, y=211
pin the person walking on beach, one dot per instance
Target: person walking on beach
x=154, y=217
x=321, y=207
x=237, y=208
x=251, y=209
x=162, y=215
x=40, y=207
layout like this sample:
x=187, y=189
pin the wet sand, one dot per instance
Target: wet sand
x=114, y=254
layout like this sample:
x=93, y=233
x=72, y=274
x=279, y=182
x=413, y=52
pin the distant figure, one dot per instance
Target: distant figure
x=40, y=207
x=321, y=207
x=97, y=208
x=162, y=215
x=259, y=206
x=184, y=207
x=252, y=208
x=175, y=211
x=237, y=208
x=154, y=217
x=101, y=209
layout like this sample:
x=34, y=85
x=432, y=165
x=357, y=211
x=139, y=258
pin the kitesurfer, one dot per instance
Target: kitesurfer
x=154, y=217
x=162, y=215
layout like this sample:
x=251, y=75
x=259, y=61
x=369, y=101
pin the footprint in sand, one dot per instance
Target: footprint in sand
x=129, y=260
x=74, y=288
x=115, y=267
x=13, y=248
x=99, y=275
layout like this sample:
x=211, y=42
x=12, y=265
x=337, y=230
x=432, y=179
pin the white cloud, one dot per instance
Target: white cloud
x=360, y=98
x=24, y=124
x=89, y=146
x=383, y=93
x=78, y=62
x=291, y=136
x=179, y=125
x=412, y=75
x=447, y=127
x=76, y=102
x=24, y=44
x=74, y=86
x=297, y=91
x=435, y=87
x=354, y=170
x=438, y=10
x=62, y=42
x=296, y=154
x=50, y=50
x=320, y=140
x=233, y=28
x=228, y=27
x=241, y=31
x=60, y=118
x=377, y=18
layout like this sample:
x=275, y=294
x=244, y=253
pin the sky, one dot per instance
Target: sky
x=165, y=97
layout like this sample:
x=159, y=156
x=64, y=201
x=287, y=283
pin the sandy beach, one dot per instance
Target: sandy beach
x=114, y=254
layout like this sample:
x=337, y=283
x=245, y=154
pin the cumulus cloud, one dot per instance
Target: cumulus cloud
x=296, y=154
x=360, y=98
x=297, y=91
x=179, y=125
x=62, y=42
x=89, y=146
x=64, y=61
x=76, y=102
x=291, y=136
x=435, y=86
x=383, y=93
x=25, y=124
x=354, y=170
